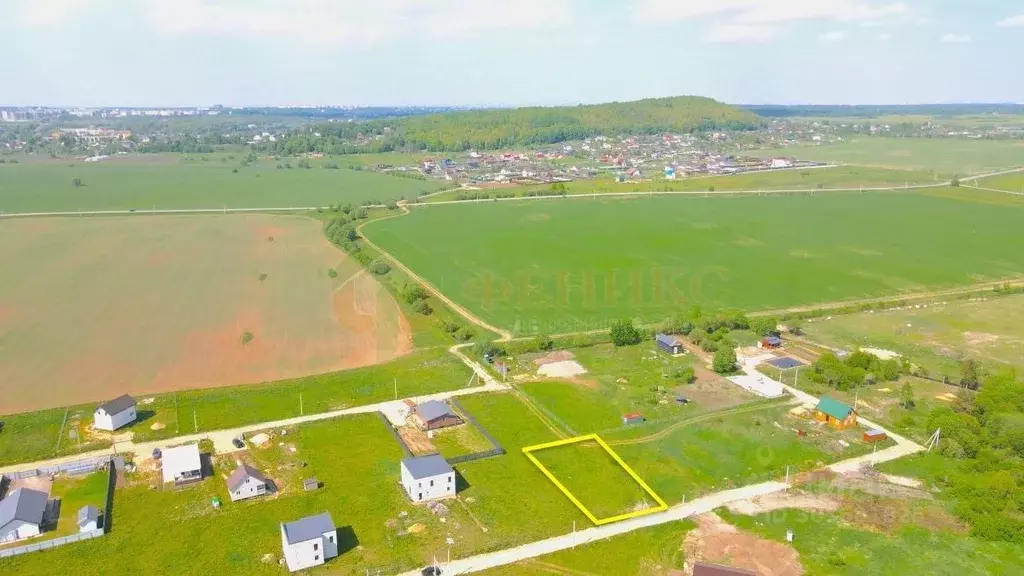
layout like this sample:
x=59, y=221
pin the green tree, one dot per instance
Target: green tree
x=907, y=396
x=724, y=360
x=764, y=326
x=625, y=334
x=76, y=182
x=970, y=374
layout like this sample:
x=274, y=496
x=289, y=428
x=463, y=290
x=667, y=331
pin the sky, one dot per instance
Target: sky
x=507, y=52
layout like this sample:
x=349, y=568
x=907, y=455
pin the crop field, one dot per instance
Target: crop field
x=799, y=179
x=92, y=308
x=1008, y=182
x=557, y=265
x=945, y=156
x=176, y=182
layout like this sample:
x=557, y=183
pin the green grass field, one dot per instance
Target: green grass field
x=92, y=308
x=172, y=182
x=1008, y=182
x=564, y=265
x=944, y=156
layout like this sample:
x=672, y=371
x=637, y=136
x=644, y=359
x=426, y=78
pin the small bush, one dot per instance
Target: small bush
x=422, y=307
x=464, y=334
x=684, y=374
x=332, y=273
x=449, y=326
x=379, y=267
x=263, y=276
x=234, y=170
x=625, y=334
x=412, y=292
x=724, y=361
x=246, y=337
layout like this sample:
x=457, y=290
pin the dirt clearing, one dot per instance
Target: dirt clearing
x=149, y=304
x=715, y=540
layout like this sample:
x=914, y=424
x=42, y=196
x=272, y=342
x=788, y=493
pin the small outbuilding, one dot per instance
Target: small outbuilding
x=428, y=478
x=21, y=514
x=633, y=418
x=115, y=414
x=709, y=569
x=835, y=413
x=88, y=518
x=874, y=435
x=182, y=464
x=434, y=415
x=309, y=542
x=670, y=343
x=310, y=484
x=246, y=482
x=770, y=342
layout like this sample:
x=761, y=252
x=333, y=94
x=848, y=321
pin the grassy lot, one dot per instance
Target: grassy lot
x=459, y=441
x=805, y=179
x=937, y=336
x=647, y=552
x=142, y=305
x=595, y=479
x=75, y=492
x=945, y=156
x=36, y=435
x=558, y=266
x=828, y=544
x=161, y=528
x=179, y=182
x=1008, y=182
x=729, y=450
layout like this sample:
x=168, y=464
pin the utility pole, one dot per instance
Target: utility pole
x=574, y=534
x=396, y=388
x=301, y=412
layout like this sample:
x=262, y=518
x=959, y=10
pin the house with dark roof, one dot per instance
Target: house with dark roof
x=434, y=415
x=670, y=343
x=88, y=518
x=428, y=478
x=835, y=413
x=709, y=569
x=115, y=414
x=21, y=514
x=309, y=542
x=246, y=482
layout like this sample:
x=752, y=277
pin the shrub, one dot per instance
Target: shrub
x=464, y=334
x=490, y=349
x=625, y=334
x=263, y=276
x=543, y=342
x=412, y=292
x=332, y=273
x=379, y=267
x=76, y=182
x=684, y=374
x=422, y=307
x=246, y=337
x=234, y=170
x=724, y=360
x=764, y=326
x=450, y=326
x=392, y=205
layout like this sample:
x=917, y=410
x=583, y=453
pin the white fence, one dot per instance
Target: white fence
x=73, y=468
x=47, y=544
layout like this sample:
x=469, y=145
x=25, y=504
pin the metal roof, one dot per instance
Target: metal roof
x=309, y=528
x=432, y=410
x=180, y=459
x=669, y=339
x=117, y=405
x=785, y=363
x=23, y=504
x=420, y=467
x=833, y=408
x=88, y=514
x=244, y=471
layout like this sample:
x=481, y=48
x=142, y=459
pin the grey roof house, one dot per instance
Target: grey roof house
x=21, y=514
x=115, y=414
x=309, y=542
x=246, y=482
x=434, y=414
x=428, y=478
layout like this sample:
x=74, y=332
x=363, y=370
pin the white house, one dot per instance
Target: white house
x=115, y=414
x=427, y=478
x=88, y=519
x=21, y=514
x=182, y=464
x=246, y=482
x=309, y=542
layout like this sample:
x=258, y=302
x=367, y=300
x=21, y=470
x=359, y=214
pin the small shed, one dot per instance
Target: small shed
x=115, y=414
x=670, y=343
x=88, y=518
x=874, y=435
x=633, y=418
x=770, y=342
x=835, y=413
x=310, y=484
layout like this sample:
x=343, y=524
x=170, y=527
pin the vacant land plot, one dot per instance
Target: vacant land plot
x=93, y=308
x=937, y=336
x=172, y=182
x=558, y=266
x=945, y=156
x=1009, y=182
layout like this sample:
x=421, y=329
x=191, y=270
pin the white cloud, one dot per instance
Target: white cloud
x=834, y=36
x=885, y=37
x=955, y=38
x=51, y=12
x=768, y=11
x=736, y=33
x=1012, y=22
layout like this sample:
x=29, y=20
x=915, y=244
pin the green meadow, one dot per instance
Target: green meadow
x=945, y=156
x=173, y=181
x=563, y=265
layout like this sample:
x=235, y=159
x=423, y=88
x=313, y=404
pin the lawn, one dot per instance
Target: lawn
x=938, y=335
x=803, y=179
x=830, y=545
x=74, y=493
x=594, y=478
x=179, y=182
x=1008, y=182
x=945, y=156
x=92, y=308
x=647, y=552
x=559, y=265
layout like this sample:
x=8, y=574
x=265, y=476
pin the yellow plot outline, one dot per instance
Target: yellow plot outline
x=529, y=450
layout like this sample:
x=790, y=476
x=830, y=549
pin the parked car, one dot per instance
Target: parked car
x=431, y=571
x=237, y=443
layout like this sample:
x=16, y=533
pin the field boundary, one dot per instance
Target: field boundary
x=529, y=450
x=496, y=448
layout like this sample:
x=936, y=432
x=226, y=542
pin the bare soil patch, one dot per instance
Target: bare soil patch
x=416, y=440
x=556, y=356
x=715, y=540
x=781, y=500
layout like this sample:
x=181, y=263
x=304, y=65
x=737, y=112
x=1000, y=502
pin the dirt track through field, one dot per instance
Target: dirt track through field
x=105, y=306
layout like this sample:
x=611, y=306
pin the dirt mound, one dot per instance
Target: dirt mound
x=563, y=369
x=714, y=540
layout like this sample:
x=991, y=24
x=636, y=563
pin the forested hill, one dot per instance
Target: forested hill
x=504, y=128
